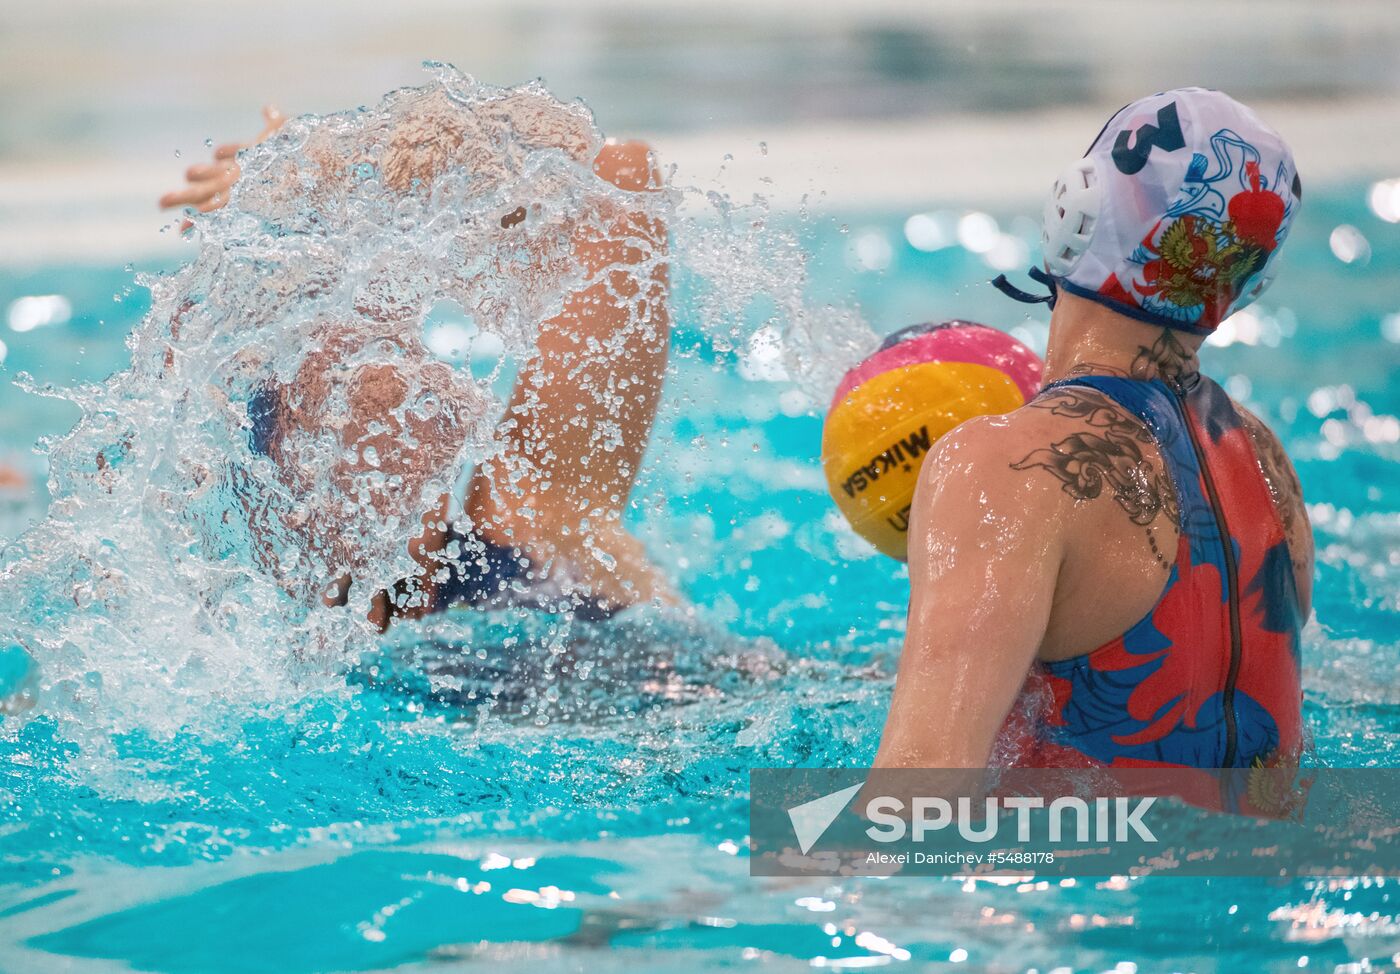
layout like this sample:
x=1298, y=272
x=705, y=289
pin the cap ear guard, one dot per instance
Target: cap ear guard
x=1262, y=279
x=1071, y=216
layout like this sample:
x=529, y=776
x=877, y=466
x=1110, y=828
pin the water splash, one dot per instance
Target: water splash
x=176, y=581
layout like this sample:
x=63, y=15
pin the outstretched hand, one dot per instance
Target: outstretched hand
x=207, y=186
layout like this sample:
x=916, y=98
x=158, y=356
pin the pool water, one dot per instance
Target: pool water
x=598, y=822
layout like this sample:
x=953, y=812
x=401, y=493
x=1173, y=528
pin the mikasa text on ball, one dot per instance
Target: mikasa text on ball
x=890, y=409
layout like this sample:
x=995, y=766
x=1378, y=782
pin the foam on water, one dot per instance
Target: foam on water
x=174, y=585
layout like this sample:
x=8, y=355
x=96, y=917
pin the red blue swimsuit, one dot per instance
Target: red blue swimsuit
x=1209, y=678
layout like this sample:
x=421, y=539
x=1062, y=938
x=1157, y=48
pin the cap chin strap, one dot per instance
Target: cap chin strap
x=1025, y=297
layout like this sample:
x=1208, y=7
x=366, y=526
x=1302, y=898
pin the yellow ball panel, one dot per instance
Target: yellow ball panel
x=875, y=440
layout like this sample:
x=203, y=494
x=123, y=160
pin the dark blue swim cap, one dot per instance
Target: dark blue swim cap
x=263, y=409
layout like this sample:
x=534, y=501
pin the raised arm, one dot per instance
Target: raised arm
x=583, y=406
x=985, y=546
x=207, y=185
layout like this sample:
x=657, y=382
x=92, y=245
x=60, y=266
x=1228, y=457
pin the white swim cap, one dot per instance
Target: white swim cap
x=1176, y=213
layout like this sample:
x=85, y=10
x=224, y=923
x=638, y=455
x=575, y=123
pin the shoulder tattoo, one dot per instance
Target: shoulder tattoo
x=1110, y=455
x=1279, y=475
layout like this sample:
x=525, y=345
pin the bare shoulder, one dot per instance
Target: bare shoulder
x=1277, y=468
x=1079, y=442
x=1073, y=441
x=975, y=507
x=1287, y=493
x=976, y=464
x=1007, y=439
x=1051, y=413
x=1272, y=455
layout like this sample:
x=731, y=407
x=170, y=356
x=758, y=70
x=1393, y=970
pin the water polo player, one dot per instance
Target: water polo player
x=542, y=520
x=1117, y=572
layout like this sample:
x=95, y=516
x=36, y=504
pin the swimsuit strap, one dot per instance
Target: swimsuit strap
x=483, y=574
x=1157, y=407
x=1209, y=677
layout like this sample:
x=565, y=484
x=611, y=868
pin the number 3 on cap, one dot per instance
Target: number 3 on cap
x=1165, y=135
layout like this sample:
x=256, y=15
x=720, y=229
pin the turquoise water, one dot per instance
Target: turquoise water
x=596, y=820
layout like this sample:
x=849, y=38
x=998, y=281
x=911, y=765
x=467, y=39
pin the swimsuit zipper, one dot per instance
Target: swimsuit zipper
x=1232, y=582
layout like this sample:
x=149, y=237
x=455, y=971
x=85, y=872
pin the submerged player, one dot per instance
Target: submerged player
x=542, y=520
x=1131, y=506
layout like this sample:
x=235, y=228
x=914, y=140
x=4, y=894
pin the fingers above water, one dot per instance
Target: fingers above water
x=628, y=165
